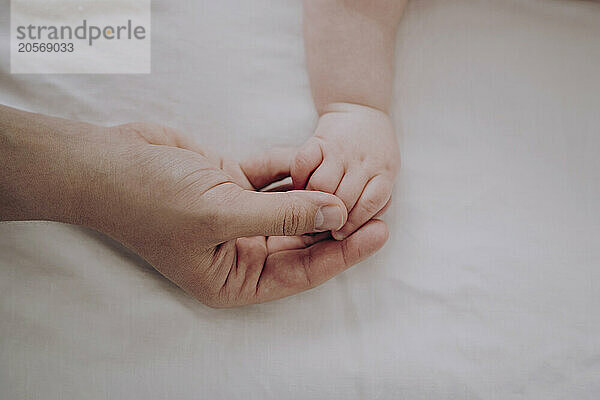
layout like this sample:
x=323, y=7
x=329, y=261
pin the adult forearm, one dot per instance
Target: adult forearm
x=350, y=50
x=41, y=177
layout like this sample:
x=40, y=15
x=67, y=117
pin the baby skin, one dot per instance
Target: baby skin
x=353, y=152
x=354, y=155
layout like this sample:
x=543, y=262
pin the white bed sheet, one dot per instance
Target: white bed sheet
x=488, y=288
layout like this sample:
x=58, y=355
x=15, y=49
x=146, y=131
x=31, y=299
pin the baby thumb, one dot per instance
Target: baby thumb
x=282, y=214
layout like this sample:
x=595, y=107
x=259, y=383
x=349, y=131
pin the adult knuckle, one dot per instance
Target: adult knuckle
x=293, y=217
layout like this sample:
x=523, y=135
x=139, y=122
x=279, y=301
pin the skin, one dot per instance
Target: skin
x=199, y=219
x=353, y=152
x=195, y=216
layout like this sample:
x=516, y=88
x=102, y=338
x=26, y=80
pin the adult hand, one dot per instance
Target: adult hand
x=194, y=216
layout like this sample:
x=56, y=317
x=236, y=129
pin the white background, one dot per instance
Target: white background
x=489, y=285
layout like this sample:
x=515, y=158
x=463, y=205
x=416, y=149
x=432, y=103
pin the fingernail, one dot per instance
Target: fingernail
x=328, y=218
x=338, y=235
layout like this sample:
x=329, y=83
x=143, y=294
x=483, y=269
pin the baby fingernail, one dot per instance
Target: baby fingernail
x=329, y=217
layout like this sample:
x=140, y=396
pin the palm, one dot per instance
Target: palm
x=252, y=262
x=244, y=270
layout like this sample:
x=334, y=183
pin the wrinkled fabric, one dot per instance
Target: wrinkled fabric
x=488, y=287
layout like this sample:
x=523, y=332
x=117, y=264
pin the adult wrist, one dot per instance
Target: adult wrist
x=41, y=178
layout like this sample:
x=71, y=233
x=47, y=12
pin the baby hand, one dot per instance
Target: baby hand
x=354, y=155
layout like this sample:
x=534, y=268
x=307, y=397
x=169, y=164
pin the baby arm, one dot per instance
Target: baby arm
x=353, y=152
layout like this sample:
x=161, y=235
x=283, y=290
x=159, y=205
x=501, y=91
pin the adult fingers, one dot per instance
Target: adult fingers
x=280, y=243
x=249, y=213
x=292, y=271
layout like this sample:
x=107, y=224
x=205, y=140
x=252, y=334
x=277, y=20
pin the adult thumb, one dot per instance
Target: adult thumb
x=281, y=214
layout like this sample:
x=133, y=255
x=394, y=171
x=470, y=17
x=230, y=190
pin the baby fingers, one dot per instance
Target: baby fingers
x=327, y=177
x=306, y=161
x=373, y=199
x=349, y=189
